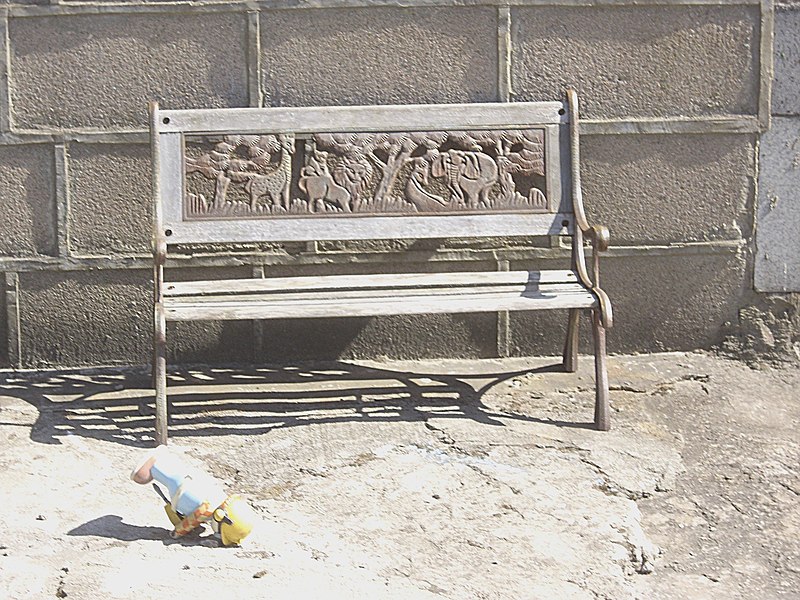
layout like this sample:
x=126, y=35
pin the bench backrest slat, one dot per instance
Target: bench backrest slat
x=364, y=172
x=347, y=119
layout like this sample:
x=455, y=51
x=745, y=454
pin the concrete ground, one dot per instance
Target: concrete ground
x=445, y=479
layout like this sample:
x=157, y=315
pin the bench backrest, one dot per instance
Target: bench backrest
x=366, y=172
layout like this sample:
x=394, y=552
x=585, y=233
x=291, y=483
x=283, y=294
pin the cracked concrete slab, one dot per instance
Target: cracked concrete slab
x=440, y=479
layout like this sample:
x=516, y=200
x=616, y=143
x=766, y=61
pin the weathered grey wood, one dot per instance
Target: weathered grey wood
x=170, y=157
x=382, y=295
x=372, y=281
x=558, y=172
x=371, y=307
x=345, y=119
x=358, y=228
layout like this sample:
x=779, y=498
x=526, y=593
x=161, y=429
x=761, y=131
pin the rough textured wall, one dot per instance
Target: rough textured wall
x=769, y=326
x=676, y=99
x=778, y=262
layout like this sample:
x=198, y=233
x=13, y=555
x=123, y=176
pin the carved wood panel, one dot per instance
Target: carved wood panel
x=433, y=172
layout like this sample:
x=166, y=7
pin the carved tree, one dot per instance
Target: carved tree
x=522, y=152
x=388, y=151
x=518, y=152
x=233, y=159
x=472, y=162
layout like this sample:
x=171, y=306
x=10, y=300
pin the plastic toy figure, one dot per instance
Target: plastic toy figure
x=194, y=498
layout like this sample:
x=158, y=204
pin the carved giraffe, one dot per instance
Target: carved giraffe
x=275, y=185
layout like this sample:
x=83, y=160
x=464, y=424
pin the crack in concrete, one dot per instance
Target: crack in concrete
x=709, y=519
x=623, y=387
x=641, y=559
x=442, y=436
x=595, y=594
x=611, y=487
x=669, y=385
x=789, y=488
x=735, y=506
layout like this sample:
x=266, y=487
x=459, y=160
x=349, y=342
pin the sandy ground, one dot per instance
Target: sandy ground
x=442, y=479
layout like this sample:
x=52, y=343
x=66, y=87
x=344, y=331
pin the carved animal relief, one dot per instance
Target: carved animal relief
x=468, y=172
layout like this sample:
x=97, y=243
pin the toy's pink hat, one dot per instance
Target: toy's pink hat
x=142, y=472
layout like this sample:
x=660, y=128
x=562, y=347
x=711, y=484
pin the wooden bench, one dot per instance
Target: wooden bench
x=249, y=175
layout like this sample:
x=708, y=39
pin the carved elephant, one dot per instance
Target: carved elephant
x=469, y=175
x=321, y=189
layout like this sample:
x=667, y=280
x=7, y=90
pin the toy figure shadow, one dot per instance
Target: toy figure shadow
x=113, y=527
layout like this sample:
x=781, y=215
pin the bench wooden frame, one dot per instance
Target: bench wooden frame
x=556, y=133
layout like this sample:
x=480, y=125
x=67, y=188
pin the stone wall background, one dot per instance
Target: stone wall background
x=676, y=101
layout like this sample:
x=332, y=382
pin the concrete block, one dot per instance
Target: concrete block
x=105, y=317
x=110, y=204
x=99, y=71
x=673, y=302
x=654, y=61
x=27, y=200
x=786, y=84
x=661, y=303
x=408, y=337
x=85, y=318
x=777, y=267
x=379, y=56
x=669, y=188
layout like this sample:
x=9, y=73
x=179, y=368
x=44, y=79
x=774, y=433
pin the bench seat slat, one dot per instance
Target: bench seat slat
x=371, y=308
x=366, y=302
x=378, y=294
x=366, y=282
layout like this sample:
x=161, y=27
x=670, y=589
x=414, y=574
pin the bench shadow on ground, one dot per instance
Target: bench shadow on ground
x=118, y=406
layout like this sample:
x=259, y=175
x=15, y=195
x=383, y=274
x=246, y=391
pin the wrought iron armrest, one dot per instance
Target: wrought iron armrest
x=597, y=235
x=159, y=259
x=600, y=238
x=159, y=252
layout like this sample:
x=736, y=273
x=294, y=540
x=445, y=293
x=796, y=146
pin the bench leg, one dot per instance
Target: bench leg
x=601, y=406
x=571, y=345
x=160, y=373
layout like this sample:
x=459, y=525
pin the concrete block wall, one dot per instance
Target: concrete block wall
x=676, y=98
x=778, y=216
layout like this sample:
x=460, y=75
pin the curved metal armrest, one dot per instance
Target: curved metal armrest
x=159, y=259
x=600, y=237
x=159, y=251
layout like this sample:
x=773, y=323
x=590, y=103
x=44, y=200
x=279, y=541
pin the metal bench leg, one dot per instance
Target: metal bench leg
x=571, y=344
x=160, y=373
x=601, y=406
